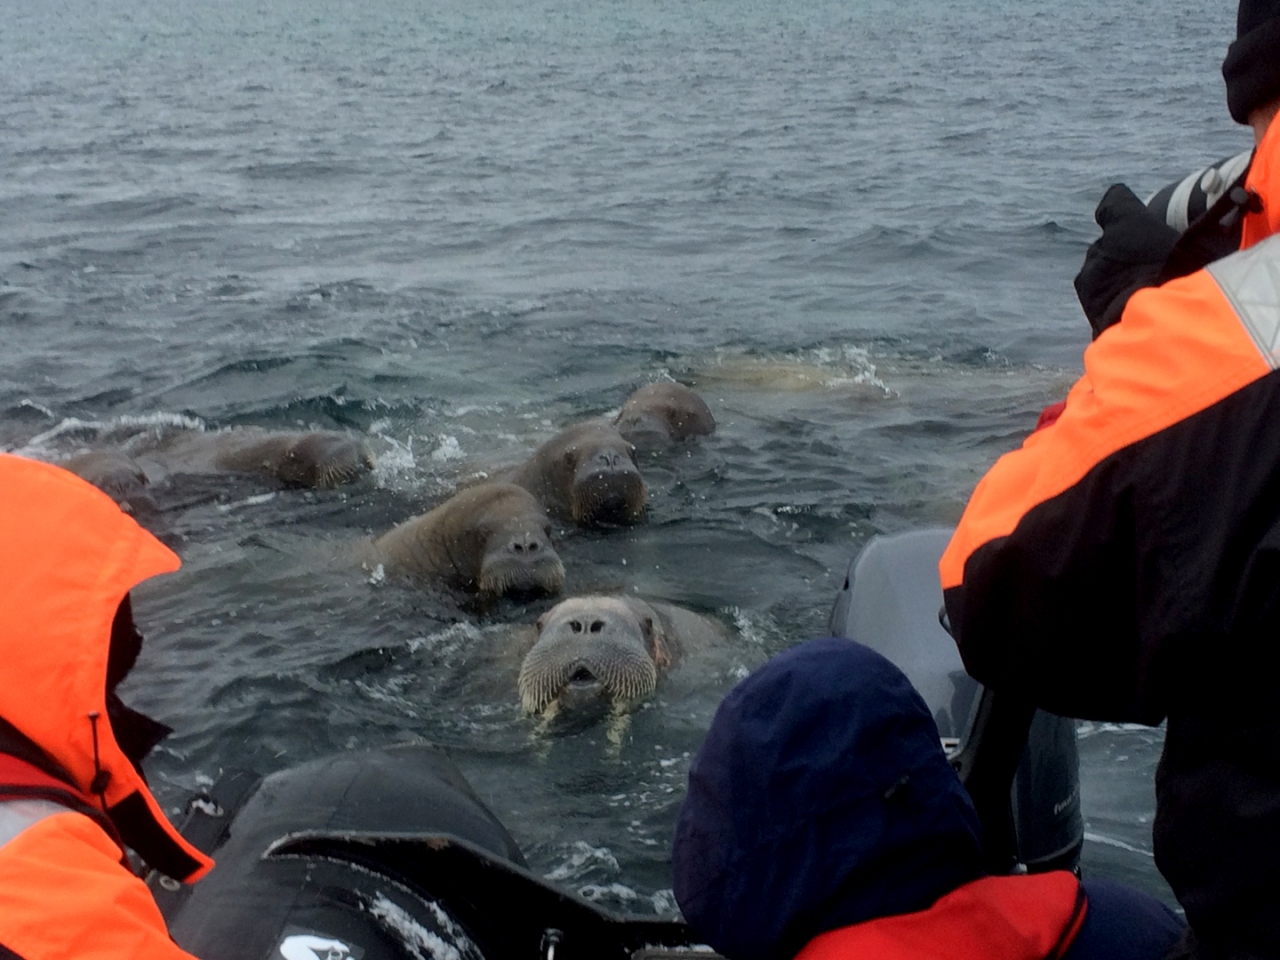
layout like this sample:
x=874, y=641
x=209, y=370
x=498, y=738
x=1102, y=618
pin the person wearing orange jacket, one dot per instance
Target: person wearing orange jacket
x=1124, y=564
x=72, y=797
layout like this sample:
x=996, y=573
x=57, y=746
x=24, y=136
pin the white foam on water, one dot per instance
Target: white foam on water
x=395, y=462
x=583, y=858
x=611, y=891
x=1089, y=728
x=456, y=635
x=390, y=692
x=39, y=407
x=247, y=502
x=664, y=903
x=751, y=626
x=447, y=449
x=378, y=576
x=129, y=426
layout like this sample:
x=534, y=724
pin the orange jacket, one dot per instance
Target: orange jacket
x=995, y=918
x=1097, y=567
x=70, y=556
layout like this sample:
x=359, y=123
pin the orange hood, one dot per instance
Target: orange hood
x=1264, y=180
x=70, y=556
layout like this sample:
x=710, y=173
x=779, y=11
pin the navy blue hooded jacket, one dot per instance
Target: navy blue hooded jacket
x=822, y=798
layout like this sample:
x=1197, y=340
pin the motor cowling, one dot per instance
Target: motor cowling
x=891, y=601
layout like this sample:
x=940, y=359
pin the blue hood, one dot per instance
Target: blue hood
x=820, y=798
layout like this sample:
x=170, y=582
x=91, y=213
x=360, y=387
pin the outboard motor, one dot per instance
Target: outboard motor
x=892, y=601
x=379, y=855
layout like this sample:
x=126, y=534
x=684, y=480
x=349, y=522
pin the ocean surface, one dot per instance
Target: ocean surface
x=453, y=228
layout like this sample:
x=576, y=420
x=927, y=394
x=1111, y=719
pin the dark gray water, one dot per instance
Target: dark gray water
x=454, y=227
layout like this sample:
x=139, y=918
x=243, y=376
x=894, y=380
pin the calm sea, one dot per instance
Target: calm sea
x=454, y=227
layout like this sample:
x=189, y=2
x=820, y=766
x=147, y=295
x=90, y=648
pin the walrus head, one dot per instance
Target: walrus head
x=324, y=459
x=518, y=556
x=592, y=653
x=659, y=414
x=605, y=487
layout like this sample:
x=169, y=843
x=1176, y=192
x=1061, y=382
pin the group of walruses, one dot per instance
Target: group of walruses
x=495, y=538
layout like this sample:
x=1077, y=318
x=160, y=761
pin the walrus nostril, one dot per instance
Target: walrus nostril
x=597, y=626
x=523, y=546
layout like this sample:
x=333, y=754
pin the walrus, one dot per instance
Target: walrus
x=587, y=474
x=599, y=652
x=661, y=414
x=117, y=475
x=322, y=459
x=492, y=539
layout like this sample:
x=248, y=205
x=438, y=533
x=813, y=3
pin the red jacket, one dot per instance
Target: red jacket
x=70, y=556
x=995, y=918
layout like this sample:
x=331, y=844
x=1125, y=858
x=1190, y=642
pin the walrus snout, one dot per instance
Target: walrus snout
x=524, y=563
x=611, y=460
x=609, y=495
x=526, y=544
x=325, y=460
x=585, y=659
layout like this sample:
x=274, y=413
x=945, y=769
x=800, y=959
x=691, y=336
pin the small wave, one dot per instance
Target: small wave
x=40, y=408
x=582, y=859
x=253, y=501
x=1089, y=728
x=456, y=636
x=118, y=429
x=300, y=170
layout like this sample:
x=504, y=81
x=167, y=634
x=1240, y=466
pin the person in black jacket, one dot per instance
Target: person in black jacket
x=1124, y=564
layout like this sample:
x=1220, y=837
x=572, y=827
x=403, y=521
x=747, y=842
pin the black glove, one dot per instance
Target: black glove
x=1130, y=255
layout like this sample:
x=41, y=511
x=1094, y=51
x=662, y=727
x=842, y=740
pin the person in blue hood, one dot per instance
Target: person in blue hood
x=823, y=821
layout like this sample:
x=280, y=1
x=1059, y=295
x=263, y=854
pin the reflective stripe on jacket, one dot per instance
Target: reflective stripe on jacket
x=63, y=888
x=1097, y=567
x=995, y=918
x=64, y=893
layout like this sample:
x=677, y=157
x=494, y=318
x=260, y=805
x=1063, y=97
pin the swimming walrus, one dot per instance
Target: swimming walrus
x=324, y=459
x=587, y=474
x=660, y=414
x=600, y=651
x=117, y=475
x=493, y=539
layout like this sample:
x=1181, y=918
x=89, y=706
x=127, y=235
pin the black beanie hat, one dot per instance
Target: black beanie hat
x=1252, y=67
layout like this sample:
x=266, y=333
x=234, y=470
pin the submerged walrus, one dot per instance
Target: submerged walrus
x=323, y=459
x=492, y=539
x=117, y=475
x=598, y=652
x=660, y=414
x=586, y=473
